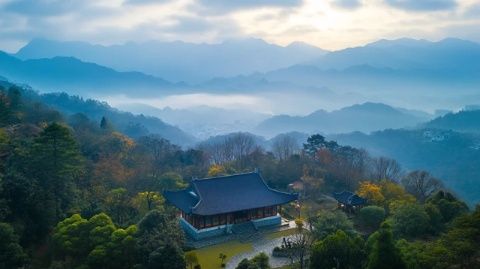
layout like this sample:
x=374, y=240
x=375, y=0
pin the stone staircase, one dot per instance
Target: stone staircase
x=245, y=232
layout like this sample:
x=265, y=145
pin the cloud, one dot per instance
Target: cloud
x=44, y=7
x=473, y=11
x=145, y=2
x=190, y=24
x=347, y=4
x=232, y=5
x=423, y=5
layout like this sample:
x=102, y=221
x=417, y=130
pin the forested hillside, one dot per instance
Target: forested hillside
x=77, y=193
x=451, y=155
x=462, y=121
x=128, y=123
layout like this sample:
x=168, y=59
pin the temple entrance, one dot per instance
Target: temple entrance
x=240, y=216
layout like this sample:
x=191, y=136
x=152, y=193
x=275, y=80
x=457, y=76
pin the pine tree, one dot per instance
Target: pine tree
x=56, y=162
x=383, y=253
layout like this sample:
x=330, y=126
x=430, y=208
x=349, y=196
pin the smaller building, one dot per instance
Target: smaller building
x=212, y=206
x=349, y=201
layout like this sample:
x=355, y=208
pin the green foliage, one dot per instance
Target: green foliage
x=339, y=251
x=260, y=261
x=171, y=181
x=410, y=221
x=169, y=256
x=95, y=243
x=118, y=204
x=191, y=259
x=327, y=223
x=371, y=216
x=159, y=233
x=56, y=162
x=383, y=252
x=11, y=253
x=448, y=205
x=317, y=142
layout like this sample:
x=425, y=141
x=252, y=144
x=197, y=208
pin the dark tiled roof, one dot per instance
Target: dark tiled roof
x=349, y=198
x=225, y=194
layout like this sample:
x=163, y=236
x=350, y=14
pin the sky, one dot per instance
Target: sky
x=329, y=24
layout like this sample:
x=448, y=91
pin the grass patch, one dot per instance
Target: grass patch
x=208, y=256
x=283, y=233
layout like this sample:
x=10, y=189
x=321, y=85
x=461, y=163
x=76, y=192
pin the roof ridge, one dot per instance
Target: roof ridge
x=223, y=177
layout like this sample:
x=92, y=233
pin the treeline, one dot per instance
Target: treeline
x=76, y=193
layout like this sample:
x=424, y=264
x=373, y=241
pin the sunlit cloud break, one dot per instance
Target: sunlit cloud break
x=330, y=24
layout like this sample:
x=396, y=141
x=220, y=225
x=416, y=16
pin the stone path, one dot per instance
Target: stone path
x=262, y=244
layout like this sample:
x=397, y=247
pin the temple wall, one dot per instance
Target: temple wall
x=199, y=234
x=268, y=221
x=203, y=233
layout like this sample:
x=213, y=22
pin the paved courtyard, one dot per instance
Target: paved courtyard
x=263, y=243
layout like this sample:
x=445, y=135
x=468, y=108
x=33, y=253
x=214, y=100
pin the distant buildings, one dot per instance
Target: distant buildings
x=349, y=201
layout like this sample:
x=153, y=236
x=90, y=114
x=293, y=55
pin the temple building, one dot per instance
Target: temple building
x=349, y=201
x=212, y=206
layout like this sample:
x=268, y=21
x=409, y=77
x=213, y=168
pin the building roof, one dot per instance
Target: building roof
x=226, y=194
x=349, y=198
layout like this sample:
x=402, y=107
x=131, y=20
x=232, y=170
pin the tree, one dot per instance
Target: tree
x=169, y=256
x=143, y=202
x=105, y=124
x=56, y=162
x=217, y=170
x=371, y=216
x=422, y=255
x=302, y=241
x=261, y=260
x=222, y=258
x=284, y=146
x=11, y=253
x=317, y=142
x=119, y=205
x=95, y=242
x=462, y=241
x=327, y=223
x=383, y=252
x=410, y=221
x=395, y=194
x=246, y=264
x=339, y=251
x=448, y=205
x=421, y=184
x=386, y=168
x=191, y=259
x=5, y=110
x=372, y=192
x=156, y=231
x=171, y=181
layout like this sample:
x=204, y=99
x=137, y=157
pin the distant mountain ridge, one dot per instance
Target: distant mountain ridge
x=180, y=61
x=396, y=67
x=462, y=121
x=80, y=77
x=366, y=117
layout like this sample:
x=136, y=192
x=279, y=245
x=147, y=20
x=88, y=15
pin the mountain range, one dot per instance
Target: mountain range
x=387, y=70
x=180, y=61
x=366, y=117
x=75, y=76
